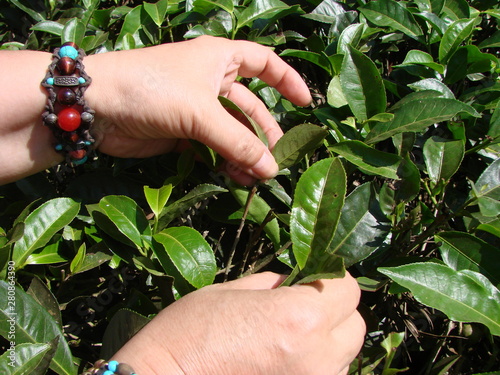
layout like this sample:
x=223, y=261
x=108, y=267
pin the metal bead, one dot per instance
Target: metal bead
x=124, y=369
x=50, y=119
x=87, y=117
x=66, y=65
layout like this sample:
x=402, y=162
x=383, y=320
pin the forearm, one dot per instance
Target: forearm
x=25, y=143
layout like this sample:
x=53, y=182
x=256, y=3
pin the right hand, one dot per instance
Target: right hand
x=250, y=327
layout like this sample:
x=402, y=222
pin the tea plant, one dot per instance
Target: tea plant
x=393, y=173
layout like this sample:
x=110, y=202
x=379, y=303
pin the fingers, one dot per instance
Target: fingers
x=216, y=128
x=257, y=281
x=347, y=340
x=259, y=61
x=255, y=108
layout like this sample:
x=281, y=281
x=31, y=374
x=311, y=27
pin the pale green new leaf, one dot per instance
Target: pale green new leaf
x=464, y=296
x=317, y=204
x=41, y=225
x=157, y=198
x=128, y=218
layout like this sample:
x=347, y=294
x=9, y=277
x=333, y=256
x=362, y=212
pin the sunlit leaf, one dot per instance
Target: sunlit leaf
x=317, y=205
x=463, y=251
x=33, y=325
x=464, y=296
x=190, y=253
x=443, y=157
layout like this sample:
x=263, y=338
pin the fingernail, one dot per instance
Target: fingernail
x=266, y=167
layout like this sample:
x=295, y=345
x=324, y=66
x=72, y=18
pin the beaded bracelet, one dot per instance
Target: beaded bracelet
x=101, y=367
x=67, y=114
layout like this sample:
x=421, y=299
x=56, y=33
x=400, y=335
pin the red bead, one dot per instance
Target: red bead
x=66, y=96
x=69, y=119
x=77, y=154
x=66, y=65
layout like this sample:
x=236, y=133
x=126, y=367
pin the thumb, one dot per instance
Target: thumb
x=243, y=150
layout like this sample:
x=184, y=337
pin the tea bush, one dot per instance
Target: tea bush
x=393, y=173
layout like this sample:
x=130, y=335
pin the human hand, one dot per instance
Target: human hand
x=250, y=327
x=149, y=101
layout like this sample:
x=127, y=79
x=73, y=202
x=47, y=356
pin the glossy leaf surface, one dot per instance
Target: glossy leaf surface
x=33, y=325
x=41, y=225
x=317, y=204
x=443, y=157
x=362, y=85
x=418, y=115
x=464, y=296
x=190, y=253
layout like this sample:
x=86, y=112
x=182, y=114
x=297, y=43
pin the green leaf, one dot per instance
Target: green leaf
x=454, y=36
x=296, y=143
x=317, y=204
x=362, y=85
x=463, y=251
x=432, y=84
x=351, y=36
x=457, y=9
x=49, y=254
x=50, y=27
x=488, y=184
x=42, y=224
x=25, y=359
x=417, y=57
x=335, y=95
x=491, y=42
x=443, y=157
x=226, y=103
x=32, y=325
x=175, y=209
x=368, y=159
x=121, y=328
x=260, y=9
x=157, y=198
x=417, y=115
x=157, y=11
x=464, y=296
x=391, y=14
x=316, y=58
x=128, y=217
x=359, y=231
x=77, y=261
x=44, y=297
x=73, y=31
x=131, y=25
x=190, y=253
x=226, y=5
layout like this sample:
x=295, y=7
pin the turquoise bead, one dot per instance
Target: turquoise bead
x=50, y=81
x=79, y=162
x=68, y=51
x=88, y=143
x=112, y=365
x=107, y=372
x=59, y=147
x=81, y=80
